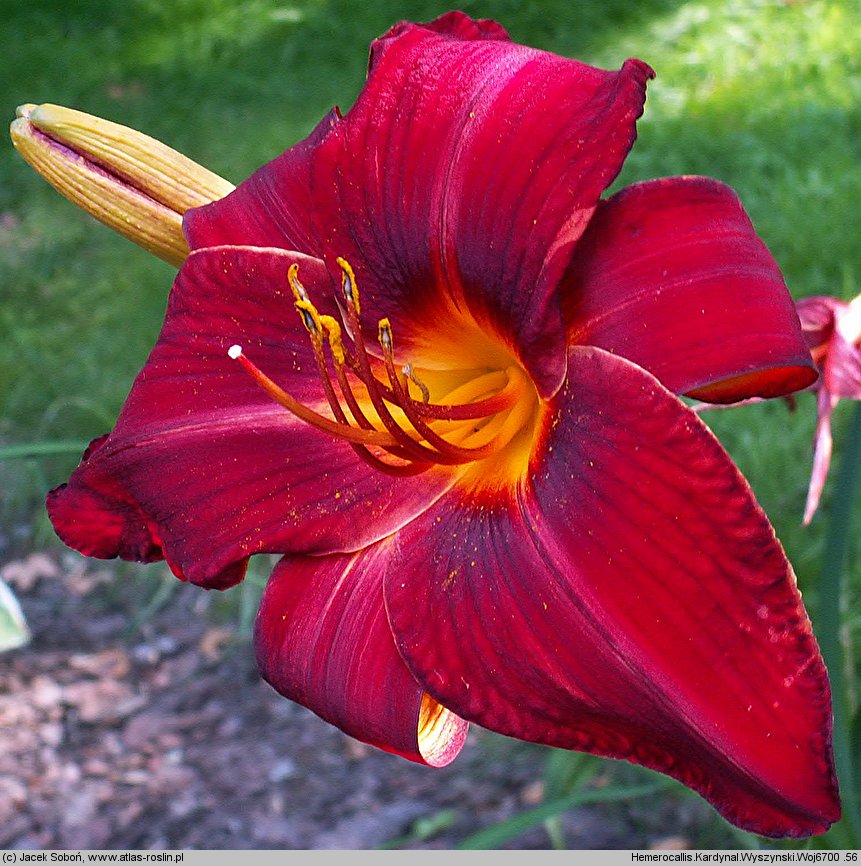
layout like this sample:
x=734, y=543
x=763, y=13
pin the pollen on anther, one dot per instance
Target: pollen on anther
x=234, y=351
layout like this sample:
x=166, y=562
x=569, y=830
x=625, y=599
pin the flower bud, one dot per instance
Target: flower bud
x=127, y=180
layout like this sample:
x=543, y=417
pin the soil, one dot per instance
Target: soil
x=135, y=718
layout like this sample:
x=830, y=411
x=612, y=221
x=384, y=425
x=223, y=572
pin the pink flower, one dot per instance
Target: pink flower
x=833, y=332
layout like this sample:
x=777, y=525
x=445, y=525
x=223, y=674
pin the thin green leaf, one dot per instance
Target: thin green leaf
x=566, y=772
x=42, y=449
x=498, y=834
x=422, y=829
x=556, y=833
x=166, y=588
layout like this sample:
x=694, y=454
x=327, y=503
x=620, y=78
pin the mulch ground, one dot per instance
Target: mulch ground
x=116, y=734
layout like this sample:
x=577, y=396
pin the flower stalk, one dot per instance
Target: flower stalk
x=832, y=641
x=131, y=182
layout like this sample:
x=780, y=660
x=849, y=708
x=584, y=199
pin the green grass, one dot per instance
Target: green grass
x=764, y=95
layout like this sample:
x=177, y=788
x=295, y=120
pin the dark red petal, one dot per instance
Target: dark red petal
x=204, y=465
x=270, y=209
x=462, y=177
x=672, y=275
x=104, y=531
x=323, y=640
x=629, y=599
x=454, y=24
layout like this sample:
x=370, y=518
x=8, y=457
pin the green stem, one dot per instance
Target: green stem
x=831, y=612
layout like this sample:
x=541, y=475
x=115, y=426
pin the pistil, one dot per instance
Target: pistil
x=303, y=412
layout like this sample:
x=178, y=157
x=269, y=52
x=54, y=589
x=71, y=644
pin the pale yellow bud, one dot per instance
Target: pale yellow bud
x=127, y=180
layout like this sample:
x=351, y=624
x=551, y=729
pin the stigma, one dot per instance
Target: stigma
x=385, y=411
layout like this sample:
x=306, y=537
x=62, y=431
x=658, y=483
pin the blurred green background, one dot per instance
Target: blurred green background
x=764, y=95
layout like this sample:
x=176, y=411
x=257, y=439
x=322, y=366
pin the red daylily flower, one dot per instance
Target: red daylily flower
x=467, y=442
x=832, y=329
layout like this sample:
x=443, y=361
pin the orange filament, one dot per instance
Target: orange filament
x=475, y=420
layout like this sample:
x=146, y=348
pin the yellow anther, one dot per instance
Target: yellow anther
x=293, y=278
x=348, y=283
x=385, y=334
x=332, y=329
x=310, y=317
